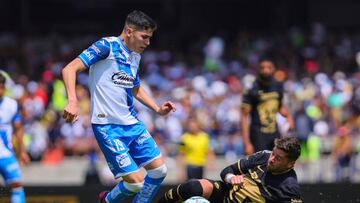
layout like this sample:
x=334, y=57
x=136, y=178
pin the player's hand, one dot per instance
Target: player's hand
x=24, y=158
x=237, y=180
x=291, y=125
x=249, y=148
x=166, y=107
x=70, y=113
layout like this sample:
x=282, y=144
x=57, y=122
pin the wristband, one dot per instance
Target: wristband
x=228, y=177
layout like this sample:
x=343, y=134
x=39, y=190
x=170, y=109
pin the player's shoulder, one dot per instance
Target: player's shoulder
x=110, y=39
x=10, y=103
x=260, y=156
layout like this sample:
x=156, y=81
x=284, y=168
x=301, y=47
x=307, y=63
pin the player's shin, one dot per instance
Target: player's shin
x=17, y=195
x=151, y=185
x=122, y=191
x=182, y=192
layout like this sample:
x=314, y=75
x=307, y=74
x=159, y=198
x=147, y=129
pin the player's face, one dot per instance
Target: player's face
x=267, y=68
x=278, y=162
x=140, y=39
x=2, y=90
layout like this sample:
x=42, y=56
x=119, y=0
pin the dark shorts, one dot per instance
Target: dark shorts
x=262, y=141
x=194, y=172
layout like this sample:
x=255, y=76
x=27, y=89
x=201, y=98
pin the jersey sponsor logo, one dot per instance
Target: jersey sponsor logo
x=123, y=79
x=123, y=160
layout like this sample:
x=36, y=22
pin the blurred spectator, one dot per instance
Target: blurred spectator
x=195, y=151
x=342, y=153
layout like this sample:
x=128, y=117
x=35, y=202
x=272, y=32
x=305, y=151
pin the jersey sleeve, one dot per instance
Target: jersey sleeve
x=232, y=169
x=96, y=52
x=137, y=80
x=247, y=100
x=17, y=116
x=253, y=160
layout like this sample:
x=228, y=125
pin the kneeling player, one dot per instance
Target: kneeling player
x=266, y=176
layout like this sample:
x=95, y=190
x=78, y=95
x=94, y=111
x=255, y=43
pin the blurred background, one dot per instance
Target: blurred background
x=202, y=57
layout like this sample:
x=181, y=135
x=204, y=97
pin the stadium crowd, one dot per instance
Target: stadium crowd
x=319, y=69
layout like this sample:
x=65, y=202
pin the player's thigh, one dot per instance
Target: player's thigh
x=10, y=170
x=145, y=151
x=213, y=190
x=115, y=149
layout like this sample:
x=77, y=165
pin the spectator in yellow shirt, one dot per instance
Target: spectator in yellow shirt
x=195, y=150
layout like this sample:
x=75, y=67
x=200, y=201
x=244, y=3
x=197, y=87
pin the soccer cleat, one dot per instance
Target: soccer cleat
x=102, y=196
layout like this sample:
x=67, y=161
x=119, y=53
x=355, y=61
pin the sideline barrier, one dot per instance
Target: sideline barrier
x=312, y=193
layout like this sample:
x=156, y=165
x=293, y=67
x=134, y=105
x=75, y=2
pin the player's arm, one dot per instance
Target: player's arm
x=140, y=94
x=69, y=76
x=285, y=112
x=234, y=173
x=96, y=52
x=19, y=134
x=245, y=128
x=228, y=172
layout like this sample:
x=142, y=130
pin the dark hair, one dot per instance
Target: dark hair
x=140, y=20
x=267, y=57
x=290, y=145
x=2, y=79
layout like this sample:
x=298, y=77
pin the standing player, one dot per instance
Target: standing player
x=114, y=81
x=262, y=102
x=266, y=176
x=10, y=122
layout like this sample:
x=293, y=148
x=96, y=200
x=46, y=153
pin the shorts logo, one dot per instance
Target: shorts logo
x=143, y=138
x=123, y=160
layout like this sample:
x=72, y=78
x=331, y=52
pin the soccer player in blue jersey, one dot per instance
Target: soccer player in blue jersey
x=113, y=64
x=10, y=122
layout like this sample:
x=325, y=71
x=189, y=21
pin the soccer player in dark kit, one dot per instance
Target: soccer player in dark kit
x=263, y=177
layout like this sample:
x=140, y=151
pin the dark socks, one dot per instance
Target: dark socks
x=182, y=192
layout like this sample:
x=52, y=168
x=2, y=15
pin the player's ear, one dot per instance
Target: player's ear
x=128, y=31
x=291, y=164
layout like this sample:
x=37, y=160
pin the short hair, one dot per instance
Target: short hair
x=267, y=57
x=140, y=21
x=2, y=79
x=290, y=145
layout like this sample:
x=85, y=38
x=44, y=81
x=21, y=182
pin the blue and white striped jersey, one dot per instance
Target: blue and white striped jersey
x=113, y=75
x=9, y=114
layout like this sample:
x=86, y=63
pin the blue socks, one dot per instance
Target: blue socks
x=118, y=193
x=149, y=190
x=18, y=195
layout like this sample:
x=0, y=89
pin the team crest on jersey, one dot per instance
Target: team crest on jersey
x=123, y=79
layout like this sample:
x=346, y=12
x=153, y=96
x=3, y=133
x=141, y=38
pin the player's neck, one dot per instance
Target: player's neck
x=123, y=39
x=281, y=172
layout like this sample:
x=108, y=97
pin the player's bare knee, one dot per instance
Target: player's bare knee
x=157, y=173
x=15, y=185
x=136, y=177
x=207, y=187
